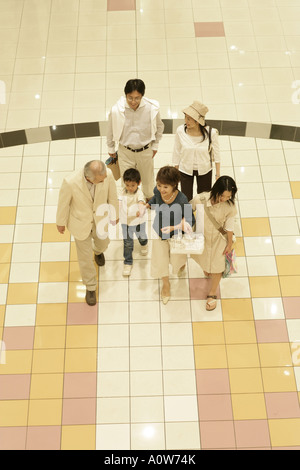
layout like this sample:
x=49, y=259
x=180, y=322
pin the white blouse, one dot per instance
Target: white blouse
x=191, y=153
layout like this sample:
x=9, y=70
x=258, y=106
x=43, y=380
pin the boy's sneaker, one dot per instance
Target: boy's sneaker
x=127, y=269
x=144, y=250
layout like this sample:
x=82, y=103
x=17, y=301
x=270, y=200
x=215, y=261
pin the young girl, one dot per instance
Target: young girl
x=220, y=204
x=191, y=150
x=173, y=213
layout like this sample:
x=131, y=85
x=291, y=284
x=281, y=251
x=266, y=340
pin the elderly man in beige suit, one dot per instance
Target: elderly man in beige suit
x=87, y=202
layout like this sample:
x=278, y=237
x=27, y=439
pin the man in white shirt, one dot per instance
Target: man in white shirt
x=134, y=122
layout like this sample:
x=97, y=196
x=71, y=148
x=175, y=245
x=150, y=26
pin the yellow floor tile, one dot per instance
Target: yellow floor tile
x=81, y=360
x=288, y=265
x=45, y=412
x=74, y=272
x=242, y=355
x=78, y=437
x=264, y=286
x=256, y=227
x=17, y=362
x=8, y=215
x=77, y=292
x=245, y=380
x=13, y=412
x=239, y=247
x=208, y=333
x=51, y=234
x=5, y=252
x=275, y=354
x=73, y=252
x=248, y=406
x=237, y=332
x=237, y=309
x=82, y=336
x=54, y=271
x=51, y=314
x=22, y=293
x=278, y=379
x=289, y=286
x=295, y=187
x=210, y=357
x=46, y=386
x=4, y=273
x=49, y=337
x=285, y=432
x=46, y=361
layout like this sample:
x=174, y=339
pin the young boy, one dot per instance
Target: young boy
x=132, y=210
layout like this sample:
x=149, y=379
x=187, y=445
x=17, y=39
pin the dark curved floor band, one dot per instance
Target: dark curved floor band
x=96, y=129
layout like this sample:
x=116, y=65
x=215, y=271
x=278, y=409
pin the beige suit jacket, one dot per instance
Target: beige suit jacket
x=78, y=212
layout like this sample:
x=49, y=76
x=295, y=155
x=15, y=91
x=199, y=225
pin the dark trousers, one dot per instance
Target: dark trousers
x=128, y=235
x=187, y=183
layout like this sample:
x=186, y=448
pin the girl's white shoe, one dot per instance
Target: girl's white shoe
x=127, y=269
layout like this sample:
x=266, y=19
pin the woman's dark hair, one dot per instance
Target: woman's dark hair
x=132, y=175
x=203, y=130
x=224, y=183
x=135, y=84
x=168, y=175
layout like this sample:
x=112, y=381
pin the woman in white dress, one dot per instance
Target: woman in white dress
x=194, y=145
x=220, y=205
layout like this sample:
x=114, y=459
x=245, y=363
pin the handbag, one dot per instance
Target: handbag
x=187, y=244
x=113, y=165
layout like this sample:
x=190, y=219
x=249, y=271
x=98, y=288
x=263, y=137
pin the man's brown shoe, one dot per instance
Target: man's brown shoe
x=100, y=260
x=90, y=297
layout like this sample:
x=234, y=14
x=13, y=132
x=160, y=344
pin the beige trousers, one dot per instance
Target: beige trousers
x=143, y=162
x=85, y=255
x=161, y=258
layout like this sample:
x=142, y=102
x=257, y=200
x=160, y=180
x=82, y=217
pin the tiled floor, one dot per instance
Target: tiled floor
x=131, y=373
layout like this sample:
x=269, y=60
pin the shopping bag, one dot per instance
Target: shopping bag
x=230, y=264
x=113, y=165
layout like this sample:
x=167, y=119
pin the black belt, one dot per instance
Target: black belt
x=137, y=150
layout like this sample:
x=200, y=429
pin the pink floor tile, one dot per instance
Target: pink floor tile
x=209, y=29
x=252, y=434
x=212, y=381
x=14, y=387
x=119, y=5
x=82, y=314
x=43, y=438
x=291, y=307
x=13, y=438
x=282, y=405
x=215, y=407
x=79, y=411
x=217, y=435
x=18, y=337
x=271, y=331
x=199, y=288
x=80, y=385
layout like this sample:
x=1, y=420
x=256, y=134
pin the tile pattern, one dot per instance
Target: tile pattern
x=132, y=373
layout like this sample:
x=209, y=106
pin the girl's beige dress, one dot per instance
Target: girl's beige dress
x=212, y=259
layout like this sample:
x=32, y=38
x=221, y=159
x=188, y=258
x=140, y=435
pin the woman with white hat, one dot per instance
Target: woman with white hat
x=196, y=147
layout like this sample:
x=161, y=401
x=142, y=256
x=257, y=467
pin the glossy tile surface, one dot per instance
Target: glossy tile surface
x=131, y=373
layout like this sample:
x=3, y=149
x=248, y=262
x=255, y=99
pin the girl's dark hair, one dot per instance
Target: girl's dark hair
x=132, y=175
x=135, y=84
x=224, y=183
x=168, y=175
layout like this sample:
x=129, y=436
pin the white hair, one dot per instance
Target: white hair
x=93, y=168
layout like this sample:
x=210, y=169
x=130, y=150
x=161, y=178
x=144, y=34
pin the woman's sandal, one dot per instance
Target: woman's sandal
x=211, y=304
